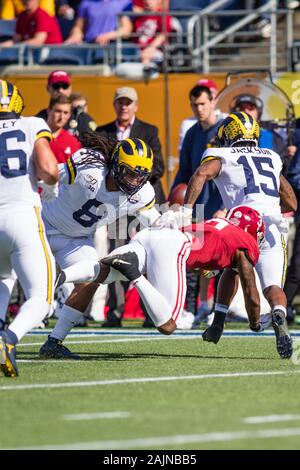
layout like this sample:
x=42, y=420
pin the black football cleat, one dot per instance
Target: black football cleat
x=212, y=334
x=8, y=357
x=125, y=263
x=54, y=349
x=284, y=342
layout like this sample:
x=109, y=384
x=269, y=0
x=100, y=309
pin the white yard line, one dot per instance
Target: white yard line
x=144, y=380
x=97, y=341
x=163, y=441
x=270, y=419
x=92, y=416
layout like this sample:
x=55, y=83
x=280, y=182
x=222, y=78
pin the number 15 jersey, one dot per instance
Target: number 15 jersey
x=249, y=176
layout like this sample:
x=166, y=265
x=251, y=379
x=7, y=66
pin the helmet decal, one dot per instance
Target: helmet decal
x=11, y=99
x=238, y=127
x=134, y=157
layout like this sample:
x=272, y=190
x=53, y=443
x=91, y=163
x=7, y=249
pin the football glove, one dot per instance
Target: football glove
x=48, y=191
x=175, y=219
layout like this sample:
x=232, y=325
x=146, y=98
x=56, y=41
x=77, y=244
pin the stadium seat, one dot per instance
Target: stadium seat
x=11, y=55
x=68, y=55
x=7, y=29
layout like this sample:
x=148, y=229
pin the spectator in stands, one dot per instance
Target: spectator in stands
x=200, y=136
x=35, y=27
x=59, y=82
x=149, y=32
x=97, y=22
x=66, y=10
x=63, y=144
x=128, y=125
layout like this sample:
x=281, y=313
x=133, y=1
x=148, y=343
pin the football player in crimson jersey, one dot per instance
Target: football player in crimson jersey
x=164, y=254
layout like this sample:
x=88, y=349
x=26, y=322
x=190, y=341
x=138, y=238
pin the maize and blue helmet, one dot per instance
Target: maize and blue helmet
x=11, y=100
x=238, y=128
x=131, y=164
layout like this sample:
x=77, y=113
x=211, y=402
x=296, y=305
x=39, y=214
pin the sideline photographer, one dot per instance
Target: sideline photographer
x=80, y=121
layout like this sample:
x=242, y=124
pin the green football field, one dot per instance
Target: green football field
x=137, y=389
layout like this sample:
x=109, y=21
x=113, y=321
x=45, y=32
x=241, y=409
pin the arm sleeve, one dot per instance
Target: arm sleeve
x=67, y=172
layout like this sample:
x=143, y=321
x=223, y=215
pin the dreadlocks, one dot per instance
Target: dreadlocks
x=99, y=148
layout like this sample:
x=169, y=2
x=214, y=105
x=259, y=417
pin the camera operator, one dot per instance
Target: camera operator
x=59, y=83
x=80, y=121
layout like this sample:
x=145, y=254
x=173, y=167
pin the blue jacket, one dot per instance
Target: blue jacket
x=195, y=142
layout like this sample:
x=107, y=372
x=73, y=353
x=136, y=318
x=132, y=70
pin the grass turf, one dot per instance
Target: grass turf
x=158, y=409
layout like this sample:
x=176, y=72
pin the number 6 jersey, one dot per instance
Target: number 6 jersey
x=249, y=176
x=18, y=181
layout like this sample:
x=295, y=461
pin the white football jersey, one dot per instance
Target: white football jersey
x=18, y=182
x=84, y=203
x=249, y=176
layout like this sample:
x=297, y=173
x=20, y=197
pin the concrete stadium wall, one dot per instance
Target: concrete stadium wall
x=152, y=101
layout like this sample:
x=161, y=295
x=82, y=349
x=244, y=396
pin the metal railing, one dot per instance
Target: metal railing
x=209, y=47
x=201, y=47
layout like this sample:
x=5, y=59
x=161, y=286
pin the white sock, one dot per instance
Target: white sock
x=280, y=307
x=156, y=305
x=31, y=314
x=84, y=271
x=68, y=318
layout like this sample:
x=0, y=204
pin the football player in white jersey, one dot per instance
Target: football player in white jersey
x=248, y=175
x=100, y=183
x=25, y=157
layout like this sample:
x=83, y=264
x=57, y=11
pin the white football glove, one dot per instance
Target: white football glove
x=49, y=191
x=175, y=219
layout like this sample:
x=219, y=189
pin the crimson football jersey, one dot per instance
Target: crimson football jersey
x=215, y=243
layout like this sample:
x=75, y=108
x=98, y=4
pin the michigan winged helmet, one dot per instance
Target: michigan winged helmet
x=238, y=128
x=11, y=100
x=131, y=164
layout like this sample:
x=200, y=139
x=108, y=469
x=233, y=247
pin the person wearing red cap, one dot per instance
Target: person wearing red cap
x=59, y=83
x=35, y=26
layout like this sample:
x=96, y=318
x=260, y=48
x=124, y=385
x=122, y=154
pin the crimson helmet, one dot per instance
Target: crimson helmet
x=249, y=220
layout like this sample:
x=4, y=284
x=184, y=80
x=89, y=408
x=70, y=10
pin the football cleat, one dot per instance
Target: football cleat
x=212, y=334
x=54, y=349
x=125, y=263
x=8, y=357
x=60, y=278
x=284, y=342
x=201, y=317
x=185, y=320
